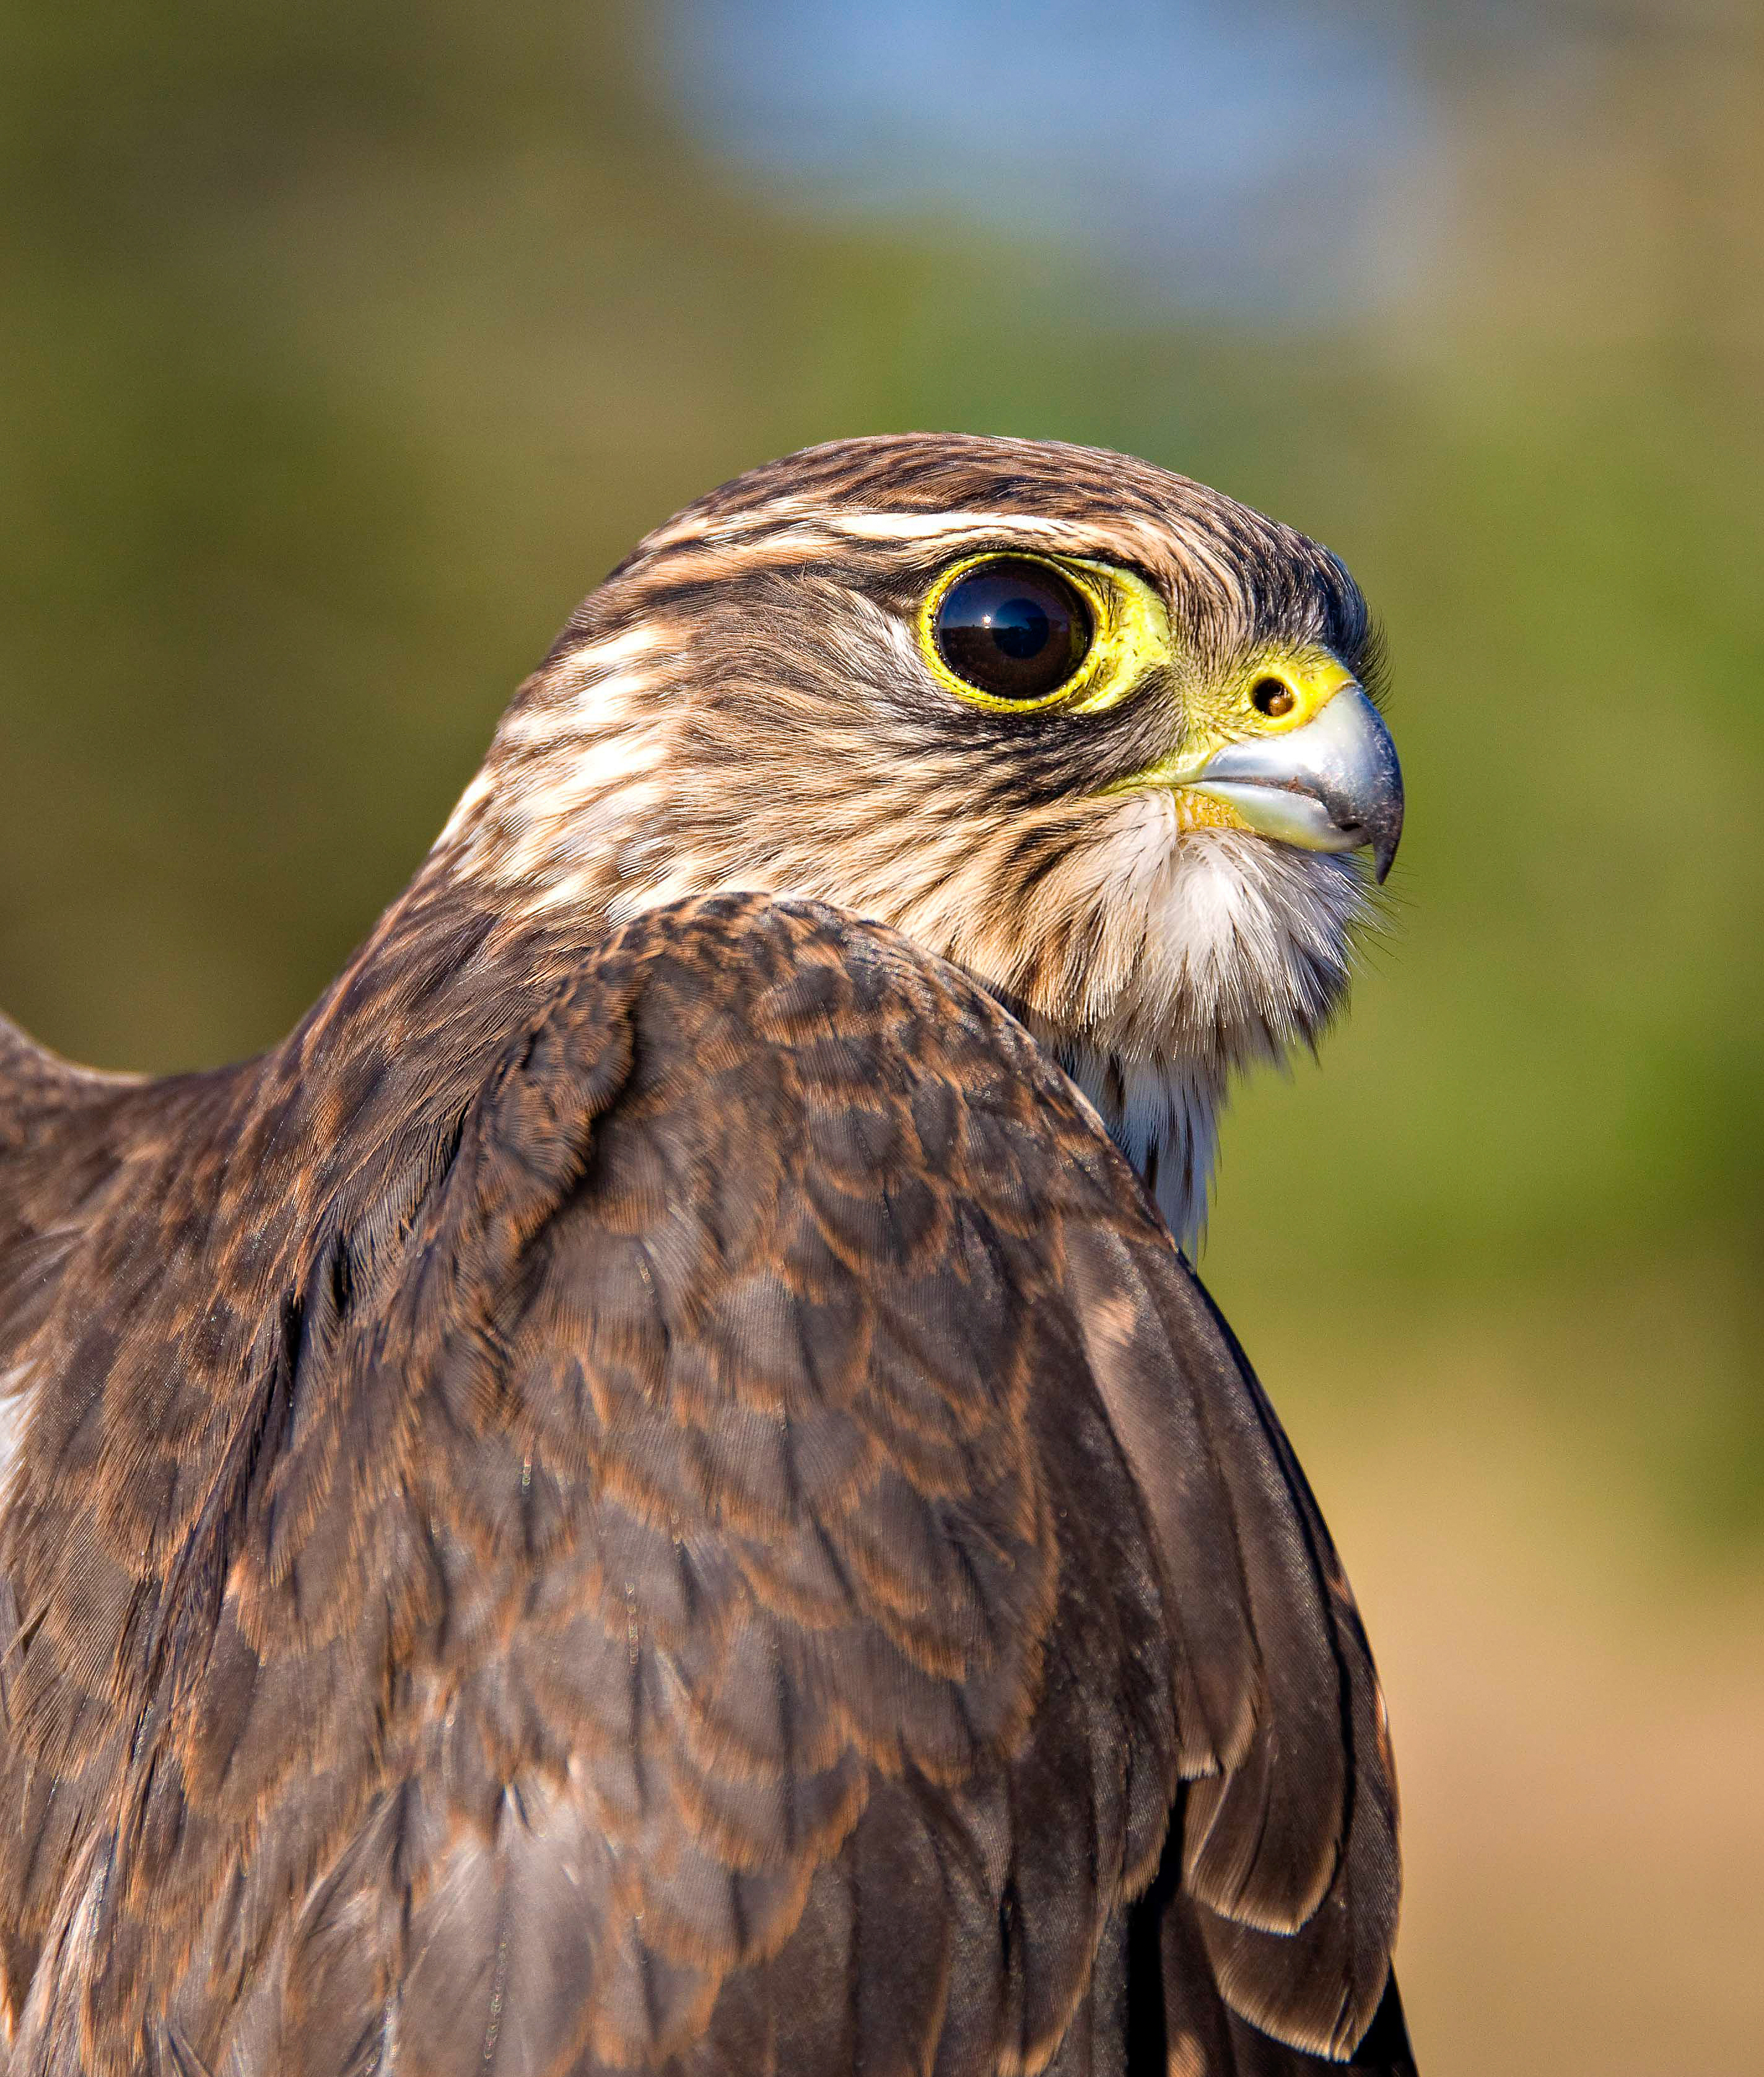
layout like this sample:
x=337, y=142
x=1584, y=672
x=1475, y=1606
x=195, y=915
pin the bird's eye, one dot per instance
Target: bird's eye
x=1015, y=629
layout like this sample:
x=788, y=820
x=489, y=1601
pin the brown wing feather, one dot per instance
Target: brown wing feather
x=729, y=1552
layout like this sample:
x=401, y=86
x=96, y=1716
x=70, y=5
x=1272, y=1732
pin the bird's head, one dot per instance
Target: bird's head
x=1097, y=733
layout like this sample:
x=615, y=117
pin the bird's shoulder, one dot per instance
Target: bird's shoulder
x=901, y=1499
x=750, y=1499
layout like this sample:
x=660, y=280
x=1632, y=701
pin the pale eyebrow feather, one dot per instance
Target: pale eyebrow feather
x=710, y=526
x=1124, y=539
x=927, y=525
x=741, y=542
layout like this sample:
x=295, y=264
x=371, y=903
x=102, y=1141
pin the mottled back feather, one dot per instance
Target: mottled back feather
x=657, y=1504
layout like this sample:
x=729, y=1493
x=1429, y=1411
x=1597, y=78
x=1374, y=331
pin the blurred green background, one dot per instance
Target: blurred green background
x=343, y=346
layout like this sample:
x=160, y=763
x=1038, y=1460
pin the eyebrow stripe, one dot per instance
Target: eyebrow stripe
x=925, y=526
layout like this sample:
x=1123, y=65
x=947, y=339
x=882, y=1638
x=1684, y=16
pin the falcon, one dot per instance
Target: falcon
x=651, y=1492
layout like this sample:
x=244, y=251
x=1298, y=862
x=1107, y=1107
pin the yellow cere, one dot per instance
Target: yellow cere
x=1272, y=694
x=1130, y=636
x=1310, y=678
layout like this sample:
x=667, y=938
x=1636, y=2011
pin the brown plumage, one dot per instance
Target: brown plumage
x=649, y=1491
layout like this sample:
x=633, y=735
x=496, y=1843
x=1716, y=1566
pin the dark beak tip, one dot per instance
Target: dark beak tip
x=1378, y=837
x=1384, y=843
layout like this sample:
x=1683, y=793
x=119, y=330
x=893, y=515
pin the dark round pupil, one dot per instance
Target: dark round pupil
x=1011, y=628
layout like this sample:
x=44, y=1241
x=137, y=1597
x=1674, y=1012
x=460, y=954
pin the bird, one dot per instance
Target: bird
x=654, y=1489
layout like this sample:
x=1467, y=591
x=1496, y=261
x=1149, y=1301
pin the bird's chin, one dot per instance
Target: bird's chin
x=1245, y=943
x=1210, y=949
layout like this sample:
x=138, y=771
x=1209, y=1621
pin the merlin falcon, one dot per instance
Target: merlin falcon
x=651, y=1491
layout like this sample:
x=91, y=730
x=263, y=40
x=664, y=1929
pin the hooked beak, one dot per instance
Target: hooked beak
x=1333, y=785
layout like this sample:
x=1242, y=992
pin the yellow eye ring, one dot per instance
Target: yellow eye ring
x=1130, y=634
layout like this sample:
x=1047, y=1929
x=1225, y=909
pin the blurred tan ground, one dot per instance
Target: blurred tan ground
x=1579, y=1713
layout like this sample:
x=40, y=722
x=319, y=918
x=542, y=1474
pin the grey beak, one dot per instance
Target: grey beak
x=1334, y=784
